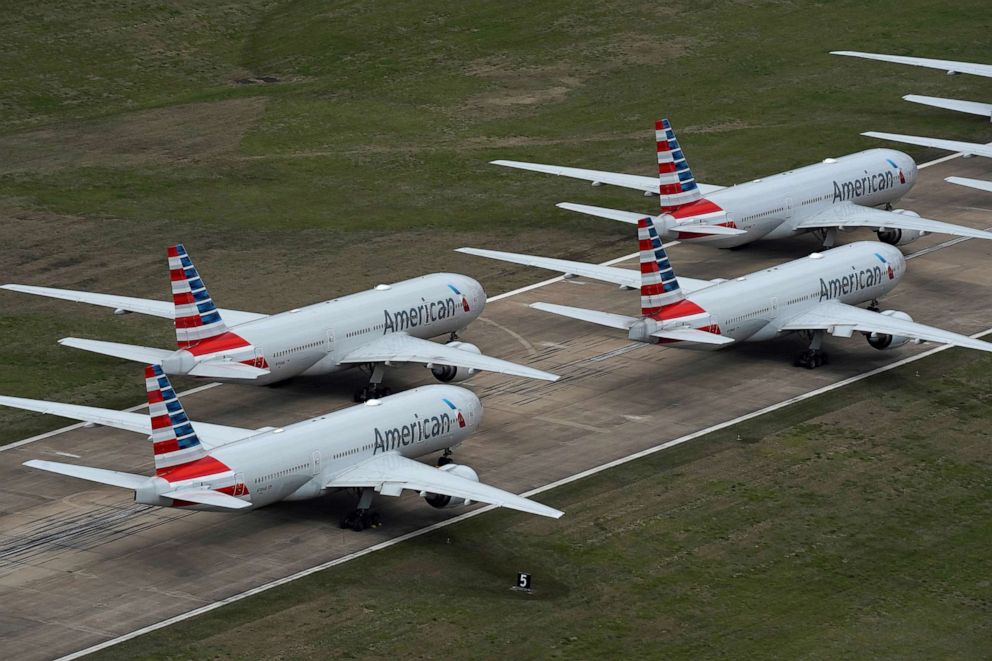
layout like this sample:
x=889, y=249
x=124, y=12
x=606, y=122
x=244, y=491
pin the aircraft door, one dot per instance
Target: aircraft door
x=774, y=305
x=240, y=488
x=316, y=462
x=329, y=341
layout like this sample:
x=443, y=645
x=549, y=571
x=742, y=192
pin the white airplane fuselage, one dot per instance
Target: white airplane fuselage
x=295, y=462
x=311, y=340
x=772, y=207
x=751, y=308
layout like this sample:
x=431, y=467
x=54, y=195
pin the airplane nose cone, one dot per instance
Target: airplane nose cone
x=469, y=405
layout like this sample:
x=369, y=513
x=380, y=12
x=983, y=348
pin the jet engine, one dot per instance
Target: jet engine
x=881, y=341
x=452, y=374
x=441, y=501
x=900, y=237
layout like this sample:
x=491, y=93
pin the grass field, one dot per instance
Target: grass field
x=854, y=525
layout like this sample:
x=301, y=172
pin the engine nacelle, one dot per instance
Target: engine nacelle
x=452, y=374
x=900, y=237
x=881, y=341
x=441, y=501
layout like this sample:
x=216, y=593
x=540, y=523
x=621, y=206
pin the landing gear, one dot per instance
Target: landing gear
x=874, y=306
x=375, y=389
x=362, y=517
x=445, y=458
x=453, y=336
x=814, y=356
x=830, y=237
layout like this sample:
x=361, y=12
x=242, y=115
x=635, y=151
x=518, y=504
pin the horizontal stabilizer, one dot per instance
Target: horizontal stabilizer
x=146, y=355
x=692, y=335
x=979, y=184
x=602, y=212
x=970, y=107
x=975, y=148
x=592, y=316
x=208, y=497
x=217, y=369
x=101, y=475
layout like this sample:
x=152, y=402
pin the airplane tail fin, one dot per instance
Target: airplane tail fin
x=174, y=441
x=676, y=183
x=659, y=286
x=197, y=318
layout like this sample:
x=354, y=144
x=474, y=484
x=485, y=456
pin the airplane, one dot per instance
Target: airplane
x=367, y=448
x=814, y=295
x=950, y=66
x=376, y=328
x=824, y=198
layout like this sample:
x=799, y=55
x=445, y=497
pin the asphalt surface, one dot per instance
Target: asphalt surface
x=81, y=564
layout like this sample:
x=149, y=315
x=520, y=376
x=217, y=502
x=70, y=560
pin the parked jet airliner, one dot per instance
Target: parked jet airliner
x=837, y=194
x=815, y=295
x=388, y=324
x=367, y=448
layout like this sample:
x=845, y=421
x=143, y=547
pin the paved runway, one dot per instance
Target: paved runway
x=80, y=564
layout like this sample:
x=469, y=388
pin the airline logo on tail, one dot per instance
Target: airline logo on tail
x=458, y=414
x=197, y=318
x=179, y=455
x=659, y=287
x=676, y=183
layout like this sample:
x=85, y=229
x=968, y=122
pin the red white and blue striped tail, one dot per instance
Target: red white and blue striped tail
x=676, y=184
x=173, y=439
x=197, y=318
x=659, y=286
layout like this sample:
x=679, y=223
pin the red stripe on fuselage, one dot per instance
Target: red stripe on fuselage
x=223, y=342
x=193, y=469
x=697, y=208
x=683, y=308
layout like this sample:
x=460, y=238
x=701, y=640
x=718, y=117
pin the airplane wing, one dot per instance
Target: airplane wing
x=402, y=348
x=970, y=107
x=618, y=276
x=391, y=473
x=210, y=435
x=949, y=66
x=847, y=214
x=163, y=309
x=630, y=217
x=979, y=184
x=647, y=185
x=842, y=320
x=975, y=148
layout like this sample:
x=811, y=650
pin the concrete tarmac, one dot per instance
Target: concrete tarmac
x=81, y=563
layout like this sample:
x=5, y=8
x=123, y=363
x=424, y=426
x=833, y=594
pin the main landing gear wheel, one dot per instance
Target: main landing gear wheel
x=814, y=356
x=445, y=459
x=375, y=389
x=359, y=520
x=372, y=391
x=811, y=359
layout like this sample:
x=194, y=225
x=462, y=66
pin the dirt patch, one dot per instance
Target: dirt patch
x=186, y=133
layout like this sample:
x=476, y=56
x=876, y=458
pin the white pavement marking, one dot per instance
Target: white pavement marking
x=533, y=492
x=940, y=160
x=578, y=476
